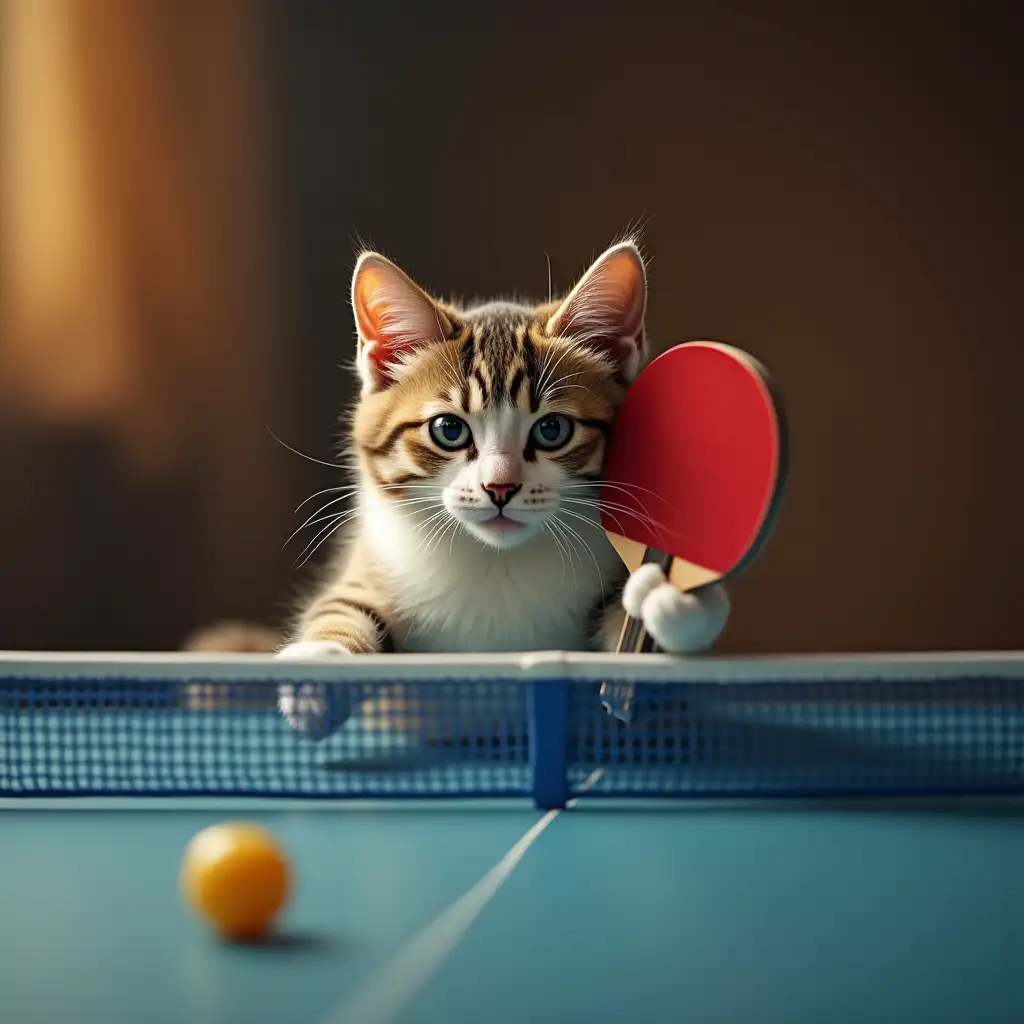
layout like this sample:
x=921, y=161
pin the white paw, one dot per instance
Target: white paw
x=312, y=649
x=639, y=585
x=314, y=709
x=679, y=623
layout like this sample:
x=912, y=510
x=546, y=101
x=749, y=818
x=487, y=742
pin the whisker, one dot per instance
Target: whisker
x=452, y=528
x=319, y=462
x=326, y=490
x=333, y=516
x=561, y=553
x=319, y=511
x=570, y=550
x=350, y=488
x=347, y=514
x=396, y=504
x=448, y=371
x=563, y=378
x=547, y=526
x=659, y=530
x=585, y=546
x=427, y=522
x=549, y=393
x=626, y=489
x=555, y=355
x=316, y=542
x=602, y=505
x=549, y=367
x=611, y=515
x=451, y=378
x=437, y=532
x=585, y=519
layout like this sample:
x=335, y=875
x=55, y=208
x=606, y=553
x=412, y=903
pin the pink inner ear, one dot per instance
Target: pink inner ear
x=393, y=315
x=605, y=310
x=378, y=354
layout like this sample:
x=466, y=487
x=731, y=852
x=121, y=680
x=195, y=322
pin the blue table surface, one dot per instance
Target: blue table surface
x=818, y=913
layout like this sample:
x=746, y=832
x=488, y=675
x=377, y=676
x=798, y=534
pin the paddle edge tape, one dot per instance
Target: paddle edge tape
x=770, y=518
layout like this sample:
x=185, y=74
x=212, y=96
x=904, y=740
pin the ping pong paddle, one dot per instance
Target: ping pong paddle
x=694, y=475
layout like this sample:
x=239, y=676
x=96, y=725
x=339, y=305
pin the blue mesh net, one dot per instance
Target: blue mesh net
x=788, y=739
x=488, y=737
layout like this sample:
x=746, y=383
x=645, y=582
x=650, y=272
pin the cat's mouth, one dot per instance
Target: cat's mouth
x=502, y=524
x=501, y=531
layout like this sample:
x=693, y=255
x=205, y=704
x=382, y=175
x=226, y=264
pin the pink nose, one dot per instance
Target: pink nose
x=501, y=494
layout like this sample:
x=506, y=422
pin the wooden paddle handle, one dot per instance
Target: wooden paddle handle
x=620, y=698
x=634, y=638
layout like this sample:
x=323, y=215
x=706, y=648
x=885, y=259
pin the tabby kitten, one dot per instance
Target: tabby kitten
x=477, y=441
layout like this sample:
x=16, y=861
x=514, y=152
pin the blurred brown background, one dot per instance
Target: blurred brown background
x=834, y=187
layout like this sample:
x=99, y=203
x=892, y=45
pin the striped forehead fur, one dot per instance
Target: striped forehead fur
x=496, y=354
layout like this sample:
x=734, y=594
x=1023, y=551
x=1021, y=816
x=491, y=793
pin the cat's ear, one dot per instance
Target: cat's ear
x=605, y=311
x=394, y=316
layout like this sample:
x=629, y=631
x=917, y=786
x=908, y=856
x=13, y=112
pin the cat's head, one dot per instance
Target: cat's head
x=495, y=416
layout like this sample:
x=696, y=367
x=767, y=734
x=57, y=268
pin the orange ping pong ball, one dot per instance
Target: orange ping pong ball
x=236, y=877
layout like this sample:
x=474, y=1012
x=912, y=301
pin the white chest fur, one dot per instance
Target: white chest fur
x=456, y=595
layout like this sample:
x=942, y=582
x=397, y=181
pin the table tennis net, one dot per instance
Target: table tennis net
x=506, y=733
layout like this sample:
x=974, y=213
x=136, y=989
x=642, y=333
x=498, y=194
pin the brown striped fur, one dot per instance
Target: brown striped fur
x=502, y=356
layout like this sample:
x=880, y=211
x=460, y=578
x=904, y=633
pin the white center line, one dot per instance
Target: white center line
x=388, y=991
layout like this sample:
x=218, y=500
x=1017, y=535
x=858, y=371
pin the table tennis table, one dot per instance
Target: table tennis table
x=786, y=839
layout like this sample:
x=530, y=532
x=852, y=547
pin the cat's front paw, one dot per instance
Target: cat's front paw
x=314, y=709
x=313, y=649
x=679, y=623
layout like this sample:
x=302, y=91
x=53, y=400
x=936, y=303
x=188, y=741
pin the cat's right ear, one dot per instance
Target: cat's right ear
x=394, y=317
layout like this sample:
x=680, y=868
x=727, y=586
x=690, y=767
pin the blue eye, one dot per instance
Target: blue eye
x=450, y=432
x=551, y=432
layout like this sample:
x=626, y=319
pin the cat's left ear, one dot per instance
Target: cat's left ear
x=605, y=311
x=394, y=316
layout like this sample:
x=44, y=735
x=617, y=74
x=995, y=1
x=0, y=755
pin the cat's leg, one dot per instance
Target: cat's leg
x=342, y=620
x=339, y=623
x=679, y=623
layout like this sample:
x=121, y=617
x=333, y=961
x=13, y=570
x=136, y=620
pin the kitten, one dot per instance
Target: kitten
x=477, y=442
